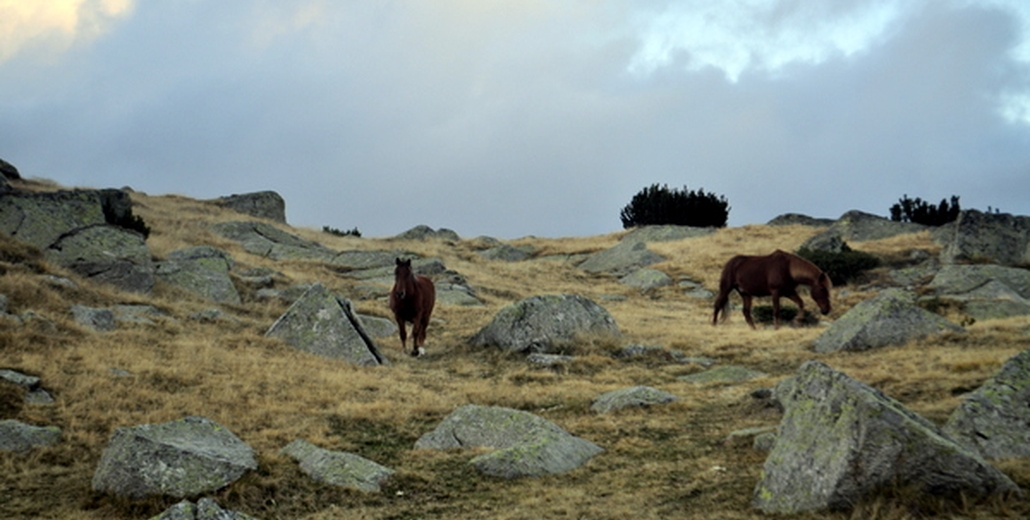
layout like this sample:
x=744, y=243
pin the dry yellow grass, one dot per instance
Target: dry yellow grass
x=661, y=462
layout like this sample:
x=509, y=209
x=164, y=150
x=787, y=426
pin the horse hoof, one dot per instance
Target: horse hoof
x=418, y=352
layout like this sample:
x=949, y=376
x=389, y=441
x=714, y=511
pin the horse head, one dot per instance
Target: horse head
x=403, y=277
x=821, y=292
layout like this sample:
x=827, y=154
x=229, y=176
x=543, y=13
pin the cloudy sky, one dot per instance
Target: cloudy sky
x=513, y=118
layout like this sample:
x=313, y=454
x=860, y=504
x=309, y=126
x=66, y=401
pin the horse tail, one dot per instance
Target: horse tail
x=722, y=301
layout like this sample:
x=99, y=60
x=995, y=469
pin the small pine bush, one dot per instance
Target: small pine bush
x=333, y=231
x=127, y=221
x=919, y=211
x=842, y=267
x=658, y=205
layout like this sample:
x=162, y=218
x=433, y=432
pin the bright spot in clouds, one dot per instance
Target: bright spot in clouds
x=55, y=25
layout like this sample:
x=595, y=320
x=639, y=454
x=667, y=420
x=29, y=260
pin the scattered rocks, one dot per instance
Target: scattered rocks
x=525, y=445
x=337, y=468
x=203, y=271
x=34, y=391
x=635, y=396
x=792, y=219
x=543, y=323
x=261, y=204
x=323, y=324
x=646, y=279
x=204, y=509
x=980, y=237
x=994, y=420
x=859, y=227
x=621, y=259
x=19, y=437
x=506, y=253
x=888, y=319
x=423, y=232
x=98, y=320
x=183, y=458
x=840, y=441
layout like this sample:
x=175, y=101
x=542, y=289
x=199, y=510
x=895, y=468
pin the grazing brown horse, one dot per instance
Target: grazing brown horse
x=778, y=274
x=411, y=301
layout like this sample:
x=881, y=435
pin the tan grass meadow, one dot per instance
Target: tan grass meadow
x=667, y=461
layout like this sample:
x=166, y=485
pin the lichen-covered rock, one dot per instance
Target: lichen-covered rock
x=40, y=218
x=635, y=396
x=203, y=271
x=798, y=219
x=999, y=238
x=960, y=279
x=506, y=253
x=526, y=445
x=840, y=441
x=19, y=437
x=100, y=320
x=887, y=319
x=646, y=279
x=261, y=204
x=204, y=509
x=542, y=323
x=858, y=226
x=266, y=240
x=105, y=254
x=994, y=420
x=323, y=324
x=337, y=468
x=621, y=259
x=181, y=458
x=665, y=233
x=424, y=232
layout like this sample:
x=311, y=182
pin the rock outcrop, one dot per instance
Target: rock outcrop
x=179, y=459
x=888, y=319
x=19, y=437
x=994, y=420
x=635, y=396
x=525, y=445
x=262, y=204
x=337, y=468
x=201, y=270
x=980, y=237
x=323, y=324
x=544, y=323
x=841, y=441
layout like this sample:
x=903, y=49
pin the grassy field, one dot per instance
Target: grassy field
x=660, y=462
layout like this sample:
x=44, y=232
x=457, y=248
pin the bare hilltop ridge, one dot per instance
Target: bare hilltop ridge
x=166, y=356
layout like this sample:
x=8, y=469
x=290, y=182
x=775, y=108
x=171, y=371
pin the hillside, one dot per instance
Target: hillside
x=664, y=461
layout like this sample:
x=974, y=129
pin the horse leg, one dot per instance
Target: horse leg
x=418, y=336
x=404, y=334
x=747, y=309
x=801, y=307
x=776, y=309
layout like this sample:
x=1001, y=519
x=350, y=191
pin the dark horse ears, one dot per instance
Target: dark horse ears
x=400, y=262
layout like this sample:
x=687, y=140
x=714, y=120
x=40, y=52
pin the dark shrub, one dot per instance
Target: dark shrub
x=125, y=219
x=842, y=267
x=333, y=231
x=919, y=211
x=658, y=205
x=764, y=314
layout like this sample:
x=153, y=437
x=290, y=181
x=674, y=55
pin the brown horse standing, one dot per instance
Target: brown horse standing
x=776, y=275
x=411, y=301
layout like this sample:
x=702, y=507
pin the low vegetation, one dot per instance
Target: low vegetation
x=660, y=462
x=658, y=205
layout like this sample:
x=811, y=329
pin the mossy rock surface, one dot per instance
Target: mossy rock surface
x=543, y=323
x=182, y=458
x=994, y=420
x=526, y=445
x=888, y=319
x=840, y=441
x=337, y=468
